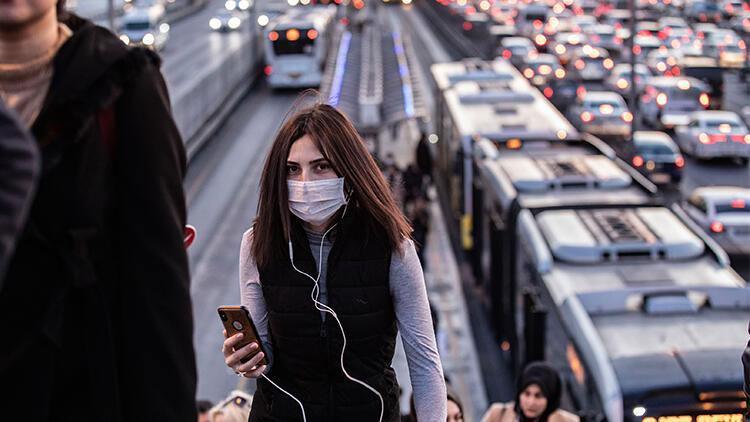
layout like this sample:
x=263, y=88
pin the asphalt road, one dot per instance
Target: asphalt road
x=222, y=193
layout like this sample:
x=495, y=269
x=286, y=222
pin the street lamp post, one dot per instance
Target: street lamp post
x=633, y=89
x=111, y=15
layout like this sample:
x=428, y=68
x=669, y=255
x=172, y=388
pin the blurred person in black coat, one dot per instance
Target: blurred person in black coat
x=95, y=315
x=19, y=166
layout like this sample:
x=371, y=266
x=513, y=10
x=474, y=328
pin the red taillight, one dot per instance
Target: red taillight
x=273, y=36
x=679, y=162
x=581, y=91
x=587, y=117
x=312, y=34
x=703, y=138
x=548, y=92
x=717, y=227
x=637, y=161
x=268, y=70
x=580, y=64
x=507, y=54
x=738, y=203
x=467, y=26
x=717, y=138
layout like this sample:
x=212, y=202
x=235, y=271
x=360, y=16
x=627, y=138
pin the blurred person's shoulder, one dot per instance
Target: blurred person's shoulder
x=560, y=415
x=95, y=62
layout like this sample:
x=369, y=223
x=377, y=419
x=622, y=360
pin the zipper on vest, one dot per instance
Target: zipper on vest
x=323, y=329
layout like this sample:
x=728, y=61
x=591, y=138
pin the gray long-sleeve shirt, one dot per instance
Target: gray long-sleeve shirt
x=19, y=167
x=412, y=315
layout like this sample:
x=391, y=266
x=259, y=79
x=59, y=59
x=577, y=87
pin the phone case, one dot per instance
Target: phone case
x=236, y=319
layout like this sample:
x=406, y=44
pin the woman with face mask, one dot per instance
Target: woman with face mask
x=537, y=399
x=329, y=274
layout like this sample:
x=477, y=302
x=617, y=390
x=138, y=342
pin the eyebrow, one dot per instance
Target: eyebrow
x=316, y=161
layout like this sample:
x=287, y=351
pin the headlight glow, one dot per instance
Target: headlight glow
x=164, y=28
x=214, y=23
x=230, y=4
x=639, y=411
x=124, y=38
x=244, y=4
x=148, y=39
x=234, y=22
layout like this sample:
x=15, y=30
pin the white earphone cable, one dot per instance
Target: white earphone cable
x=314, y=294
x=304, y=417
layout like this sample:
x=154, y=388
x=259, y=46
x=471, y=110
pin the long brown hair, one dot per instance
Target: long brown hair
x=338, y=141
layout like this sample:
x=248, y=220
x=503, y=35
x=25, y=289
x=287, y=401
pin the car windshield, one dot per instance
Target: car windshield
x=603, y=105
x=518, y=49
x=655, y=149
x=733, y=206
x=723, y=126
x=684, y=94
x=731, y=49
x=137, y=26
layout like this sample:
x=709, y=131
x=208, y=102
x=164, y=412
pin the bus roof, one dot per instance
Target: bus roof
x=504, y=110
x=307, y=17
x=472, y=69
x=554, y=173
x=639, y=285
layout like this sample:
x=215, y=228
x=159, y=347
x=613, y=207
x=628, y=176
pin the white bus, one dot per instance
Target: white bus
x=491, y=100
x=633, y=303
x=296, y=46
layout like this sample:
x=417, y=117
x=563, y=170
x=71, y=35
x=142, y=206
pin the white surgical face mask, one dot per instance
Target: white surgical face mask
x=315, y=202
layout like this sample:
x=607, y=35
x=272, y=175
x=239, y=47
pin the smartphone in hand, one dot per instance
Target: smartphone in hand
x=236, y=319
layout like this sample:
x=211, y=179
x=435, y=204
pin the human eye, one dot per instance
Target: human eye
x=292, y=168
x=323, y=167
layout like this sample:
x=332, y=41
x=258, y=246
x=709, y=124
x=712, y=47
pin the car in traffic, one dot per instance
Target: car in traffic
x=656, y=156
x=703, y=12
x=590, y=64
x=516, y=50
x=226, y=20
x=540, y=69
x=664, y=62
x=604, y=36
x=601, y=113
x=145, y=27
x=620, y=79
x=668, y=101
x=564, y=44
x=724, y=212
x=715, y=134
x=563, y=92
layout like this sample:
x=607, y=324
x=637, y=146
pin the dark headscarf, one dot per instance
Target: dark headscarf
x=548, y=380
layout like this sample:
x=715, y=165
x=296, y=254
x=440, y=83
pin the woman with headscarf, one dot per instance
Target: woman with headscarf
x=537, y=399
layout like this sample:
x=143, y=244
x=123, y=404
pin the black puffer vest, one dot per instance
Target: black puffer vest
x=307, y=350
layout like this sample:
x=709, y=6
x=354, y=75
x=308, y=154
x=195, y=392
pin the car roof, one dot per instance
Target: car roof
x=671, y=81
x=715, y=114
x=602, y=96
x=652, y=137
x=543, y=58
x=511, y=41
x=718, y=193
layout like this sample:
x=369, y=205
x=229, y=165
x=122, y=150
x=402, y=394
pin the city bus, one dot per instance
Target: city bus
x=633, y=303
x=492, y=100
x=296, y=46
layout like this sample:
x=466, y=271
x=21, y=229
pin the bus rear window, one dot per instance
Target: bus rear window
x=293, y=42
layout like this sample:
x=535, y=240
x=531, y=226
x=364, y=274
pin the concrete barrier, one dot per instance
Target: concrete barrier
x=201, y=104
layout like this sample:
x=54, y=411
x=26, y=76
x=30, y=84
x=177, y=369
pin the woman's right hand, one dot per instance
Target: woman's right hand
x=233, y=358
